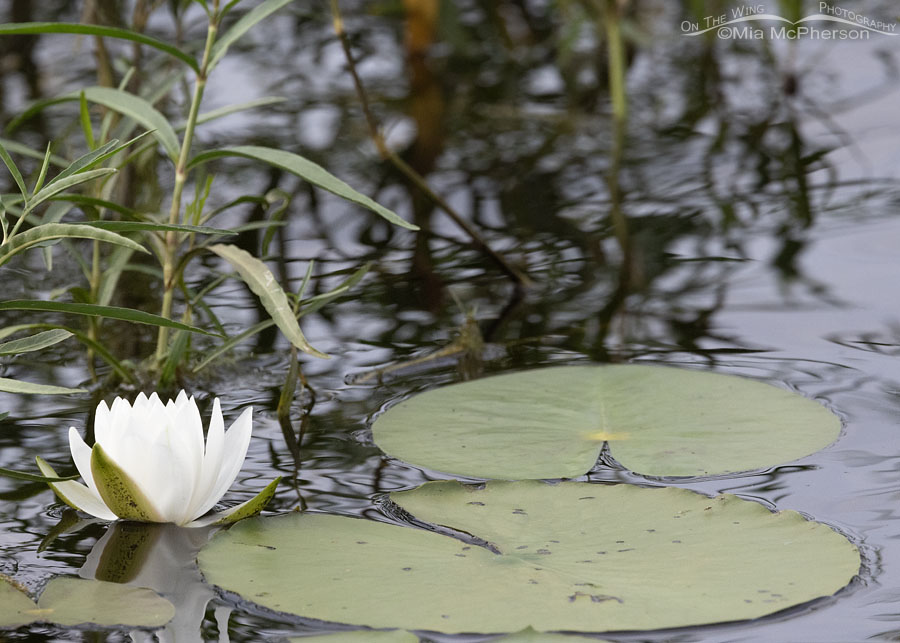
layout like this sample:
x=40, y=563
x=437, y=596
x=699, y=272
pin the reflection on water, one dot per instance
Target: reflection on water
x=758, y=180
x=161, y=557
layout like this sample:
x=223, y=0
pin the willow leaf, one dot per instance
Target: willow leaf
x=14, y=171
x=50, y=231
x=242, y=26
x=305, y=169
x=34, y=342
x=98, y=30
x=8, y=385
x=93, y=310
x=135, y=226
x=140, y=110
x=64, y=184
x=239, y=107
x=263, y=283
x=32, y=477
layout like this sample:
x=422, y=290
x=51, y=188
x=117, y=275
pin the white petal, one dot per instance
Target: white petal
x=189, y=431
x=159, y=476
x=84, y=499
x=142, y=402
x=101, y=419
x=212, y=461
x=105, y=420
x=81, y=454
x=76, y=494
x=237, y=439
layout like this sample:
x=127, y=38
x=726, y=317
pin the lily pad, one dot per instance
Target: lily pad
x=361, y=636
x=76, y=601
x=553, y=422
x=569, y=557
x=529, y=635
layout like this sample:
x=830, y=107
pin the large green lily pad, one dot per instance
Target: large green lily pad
x=567, y=557
x=552, y=423
x=76, y=601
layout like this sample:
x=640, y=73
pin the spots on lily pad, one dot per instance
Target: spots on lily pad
x=594, y=598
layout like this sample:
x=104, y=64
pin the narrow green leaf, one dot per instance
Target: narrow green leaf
x=64, y=184
x=93, y=310
x=276, y=216
x=35, y=342
x=115, y=265
x=242, y=26
x=8, y=385
x=86, y=161
x=239, y=107
x=35, y=108
x=177, y=351
x=49, y=231
x=6, y=331
x=43, y=173
x=313, y=304
x=86, y=126
x=119, y=492
x=244, y=510
x=31, y=477
x=228, y=7
x=305, y=169
x=98, y=30
x=83, y=199
x=98, y=348
x=10, y=164
x=141, y=111
x=24, y=150
x=263, y=283
x=135, y=226
x=4, y=224
x=309, y=306
x=305, y=283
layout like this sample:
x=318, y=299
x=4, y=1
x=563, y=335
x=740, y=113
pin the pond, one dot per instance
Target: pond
x=744, y=222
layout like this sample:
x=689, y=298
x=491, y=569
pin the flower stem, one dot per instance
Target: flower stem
x=171, y=245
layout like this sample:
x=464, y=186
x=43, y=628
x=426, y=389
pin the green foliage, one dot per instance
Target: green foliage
x=81, y=202
x=305, y=169
x=263, y=283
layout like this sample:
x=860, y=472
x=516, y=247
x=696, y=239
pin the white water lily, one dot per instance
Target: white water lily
x=150, y=463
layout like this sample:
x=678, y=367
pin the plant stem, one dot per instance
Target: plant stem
x=171, y=247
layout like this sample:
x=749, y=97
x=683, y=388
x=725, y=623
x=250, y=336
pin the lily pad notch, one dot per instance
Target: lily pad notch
x=553, y=422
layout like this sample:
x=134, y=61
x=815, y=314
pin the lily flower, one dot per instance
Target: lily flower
x=150, y=463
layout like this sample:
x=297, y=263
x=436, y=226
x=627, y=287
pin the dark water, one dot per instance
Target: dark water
x=760, y=184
